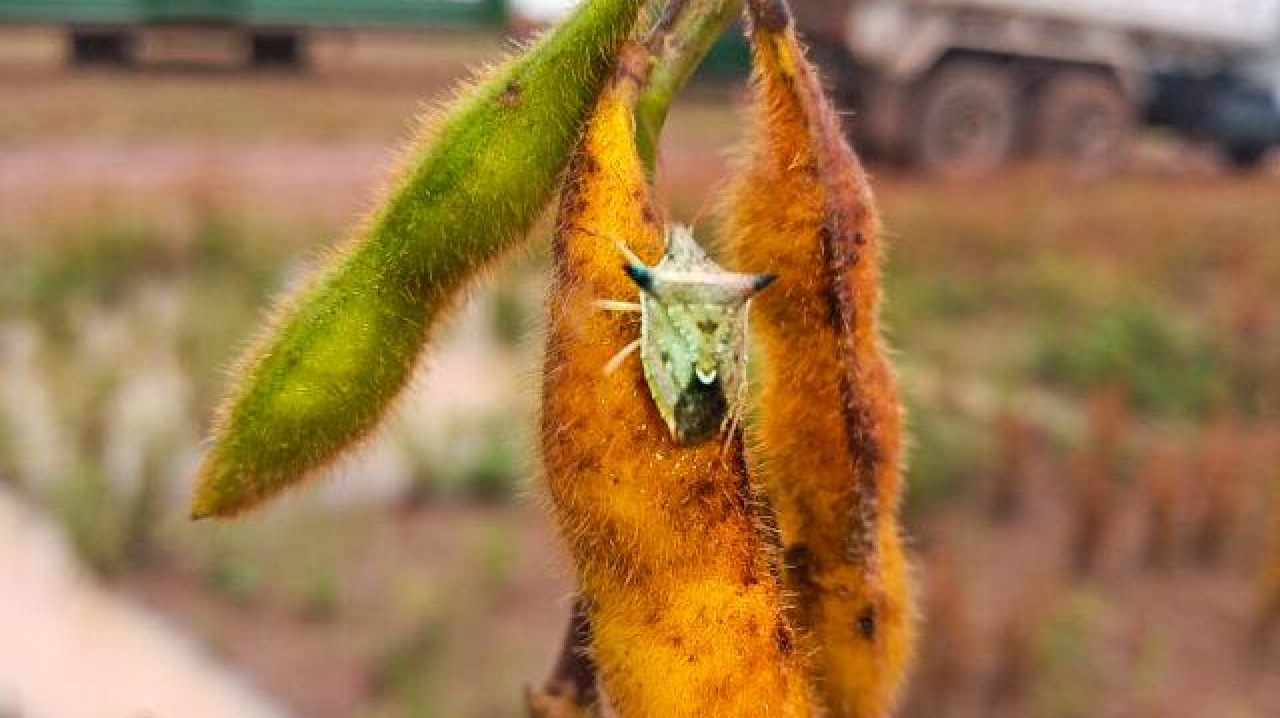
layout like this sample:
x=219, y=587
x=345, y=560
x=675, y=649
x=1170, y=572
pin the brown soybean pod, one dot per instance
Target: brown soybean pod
x=829, y=421
x=685, y=608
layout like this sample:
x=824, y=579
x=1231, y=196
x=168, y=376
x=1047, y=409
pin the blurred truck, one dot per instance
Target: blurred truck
x=269, y=32
x=959, y=87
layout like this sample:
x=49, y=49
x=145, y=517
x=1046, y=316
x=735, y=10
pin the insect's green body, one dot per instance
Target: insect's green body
x=693, y=337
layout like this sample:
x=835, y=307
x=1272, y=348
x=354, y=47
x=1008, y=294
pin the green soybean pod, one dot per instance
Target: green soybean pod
x=340, y=349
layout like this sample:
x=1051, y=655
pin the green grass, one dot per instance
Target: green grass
x=1066, y=674
x=949, y=454
x=1164, y=368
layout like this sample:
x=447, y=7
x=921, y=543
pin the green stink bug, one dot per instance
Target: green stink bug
x=693, y=336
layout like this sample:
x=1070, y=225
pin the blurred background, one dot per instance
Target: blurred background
x=1083, y=291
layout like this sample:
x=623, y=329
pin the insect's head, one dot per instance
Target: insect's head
x=695, y=335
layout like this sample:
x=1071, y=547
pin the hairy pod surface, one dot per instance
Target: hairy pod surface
x=340, y=349
x=678, y=579
x=829, y=419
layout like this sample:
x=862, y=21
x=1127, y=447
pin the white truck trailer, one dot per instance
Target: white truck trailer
x=961, y=86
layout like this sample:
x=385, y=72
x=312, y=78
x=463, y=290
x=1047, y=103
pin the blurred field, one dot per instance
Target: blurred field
x=1091, y=372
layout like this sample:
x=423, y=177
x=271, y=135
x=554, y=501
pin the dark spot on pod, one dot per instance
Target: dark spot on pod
x=799, y=559
x=784, y=638
x=572, y=203
x=860, y=542
x=800, y=571
x=836, y=300
x=648, y=215
x=511, y=96
x=866, y=623
x=584, y=463
x=588, y=164
x=703, y=490
x=867, y=437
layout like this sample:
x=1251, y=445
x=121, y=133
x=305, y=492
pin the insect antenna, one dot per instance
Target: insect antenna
x=703, y=208
x=630, y=256
x=718, y=190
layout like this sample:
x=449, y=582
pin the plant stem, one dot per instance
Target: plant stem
x=570, y=691
x=679, y=42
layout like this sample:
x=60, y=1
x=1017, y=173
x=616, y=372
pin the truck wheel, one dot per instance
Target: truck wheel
x=276, y=49
x=1245, y=157
x=102, y=47
x=965, y=120
x=1083, y=121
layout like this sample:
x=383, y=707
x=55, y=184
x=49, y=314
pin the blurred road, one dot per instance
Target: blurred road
x=73, y=650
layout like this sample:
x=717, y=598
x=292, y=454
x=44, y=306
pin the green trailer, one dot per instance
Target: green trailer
x=274, y=31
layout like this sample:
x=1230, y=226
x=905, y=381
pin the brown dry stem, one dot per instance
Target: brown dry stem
x=570, y=691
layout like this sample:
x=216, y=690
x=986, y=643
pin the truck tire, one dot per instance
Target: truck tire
x=965, y=120
x=1083, y=120
x=87, y=47
x=1245, y=157
x=276, y=50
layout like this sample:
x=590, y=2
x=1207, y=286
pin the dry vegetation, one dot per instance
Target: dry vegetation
x=1095, y=419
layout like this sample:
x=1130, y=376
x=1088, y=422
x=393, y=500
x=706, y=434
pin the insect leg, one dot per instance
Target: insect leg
x=613, y=305
x=620, y=357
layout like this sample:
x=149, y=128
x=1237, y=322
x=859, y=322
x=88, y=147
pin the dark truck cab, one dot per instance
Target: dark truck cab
x=960, y=87
x=1234, y=110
